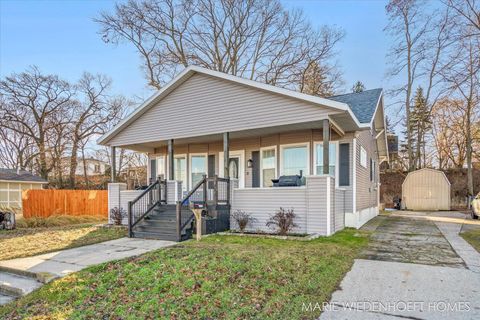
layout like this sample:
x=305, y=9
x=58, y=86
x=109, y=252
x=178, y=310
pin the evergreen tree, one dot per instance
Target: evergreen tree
x=420, y=124
x=358, y=87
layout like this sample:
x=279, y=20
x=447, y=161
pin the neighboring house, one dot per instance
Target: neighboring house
x=394, y=161
x=93, y=166
x=268, y=132
x=13, y=182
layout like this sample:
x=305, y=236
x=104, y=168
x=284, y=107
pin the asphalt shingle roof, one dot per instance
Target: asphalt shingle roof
x=363, y=104
x=11, y=175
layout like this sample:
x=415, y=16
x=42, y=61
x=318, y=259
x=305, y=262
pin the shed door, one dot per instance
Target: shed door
x=425, y=198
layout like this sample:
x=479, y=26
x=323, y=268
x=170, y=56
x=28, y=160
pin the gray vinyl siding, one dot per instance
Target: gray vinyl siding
x=317, y=205
x=366, y=190
x=339, y=221
x=262, y=203
x=204, y=105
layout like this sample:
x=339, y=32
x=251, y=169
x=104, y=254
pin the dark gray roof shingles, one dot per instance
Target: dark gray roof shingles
x=363, y=104
x=24, y=176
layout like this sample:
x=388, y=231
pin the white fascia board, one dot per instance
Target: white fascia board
x=189, y=71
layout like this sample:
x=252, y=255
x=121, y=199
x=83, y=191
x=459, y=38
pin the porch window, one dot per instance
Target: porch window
x=294, y=159
x=268, y=162
x=180, y=173
x=332, y=158
x=198, y=167
x=161, y=167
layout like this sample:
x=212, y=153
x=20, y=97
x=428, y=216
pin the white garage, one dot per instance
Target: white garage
x=426, y=189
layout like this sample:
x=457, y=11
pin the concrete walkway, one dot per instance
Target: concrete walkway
x=23, y=275
x=416, y=267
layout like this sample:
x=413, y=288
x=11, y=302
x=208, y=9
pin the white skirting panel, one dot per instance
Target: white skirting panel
x=360, y=217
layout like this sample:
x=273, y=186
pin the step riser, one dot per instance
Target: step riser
x=11, y=291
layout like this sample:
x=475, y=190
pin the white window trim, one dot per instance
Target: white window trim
x=184, y=156
x=189, y=171
x=362, y=149
x=165, y=166
x=337, y=154
x=261, y=162
x=303, y=144
x=241, y=168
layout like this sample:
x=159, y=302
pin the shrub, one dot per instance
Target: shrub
x=242, y=219
x=117, y=215
x=282, y=221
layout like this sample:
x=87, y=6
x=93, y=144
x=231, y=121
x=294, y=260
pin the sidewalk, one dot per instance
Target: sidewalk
x=21, y=276
x=416, y=267
x=62, y=262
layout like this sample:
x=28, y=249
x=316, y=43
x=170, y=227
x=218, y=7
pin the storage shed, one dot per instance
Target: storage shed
x=426, y=189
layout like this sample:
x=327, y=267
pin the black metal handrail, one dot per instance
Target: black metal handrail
x=218, y=195
x=141, y=206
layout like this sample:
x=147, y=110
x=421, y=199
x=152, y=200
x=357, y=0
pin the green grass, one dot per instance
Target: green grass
x=57, y=221
x=220, y=277
x=473, y=237
x=25, y=242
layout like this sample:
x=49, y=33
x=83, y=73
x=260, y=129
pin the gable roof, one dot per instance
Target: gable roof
x=191, y=70
x=21, y=176
x=363, y=104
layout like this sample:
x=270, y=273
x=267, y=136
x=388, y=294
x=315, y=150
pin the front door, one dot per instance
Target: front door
x=233, y=168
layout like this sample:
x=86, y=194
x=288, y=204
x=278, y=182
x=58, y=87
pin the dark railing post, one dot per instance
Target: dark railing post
x=205, y=189
x=179, y=220
x=129, y=212
x=228, y=193
x=215, y=190
x=165, y=183
x=159, y=191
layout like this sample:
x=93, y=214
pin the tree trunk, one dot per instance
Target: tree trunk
x=87, y=185
x=73, y=164
x=469, y=149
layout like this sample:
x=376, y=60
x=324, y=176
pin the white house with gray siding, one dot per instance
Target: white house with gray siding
x=209, y=125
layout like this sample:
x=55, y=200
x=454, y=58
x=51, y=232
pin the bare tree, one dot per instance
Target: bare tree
x=16, y=149
x=93, y=110
x=258, y=40
x=30, y=101
x=422, y=37
x=408, y=26
x=463, y=74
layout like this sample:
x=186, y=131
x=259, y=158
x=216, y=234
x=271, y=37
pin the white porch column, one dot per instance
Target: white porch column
x=326, y=146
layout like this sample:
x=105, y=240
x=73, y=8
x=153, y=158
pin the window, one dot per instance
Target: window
x=161, y=167
x=332, y=158
x=180, y=167
x=294, y=160
x=372, y=170
x=268, y=166
x=198, y=167
x=344, y=164
x=363, y=157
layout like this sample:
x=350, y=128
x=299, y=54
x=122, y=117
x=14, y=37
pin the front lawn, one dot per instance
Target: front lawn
x=220, y=277
x=472, y=236
x=28, y=241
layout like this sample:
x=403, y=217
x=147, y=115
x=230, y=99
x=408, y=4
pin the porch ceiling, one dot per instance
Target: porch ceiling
x=259, y=132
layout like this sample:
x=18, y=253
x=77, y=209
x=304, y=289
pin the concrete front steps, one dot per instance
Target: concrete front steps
x=17, y=283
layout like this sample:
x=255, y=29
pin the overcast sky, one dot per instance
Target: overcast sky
x=60, y=37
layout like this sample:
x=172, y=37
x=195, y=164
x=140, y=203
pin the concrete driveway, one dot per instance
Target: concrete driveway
x=416, y=267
